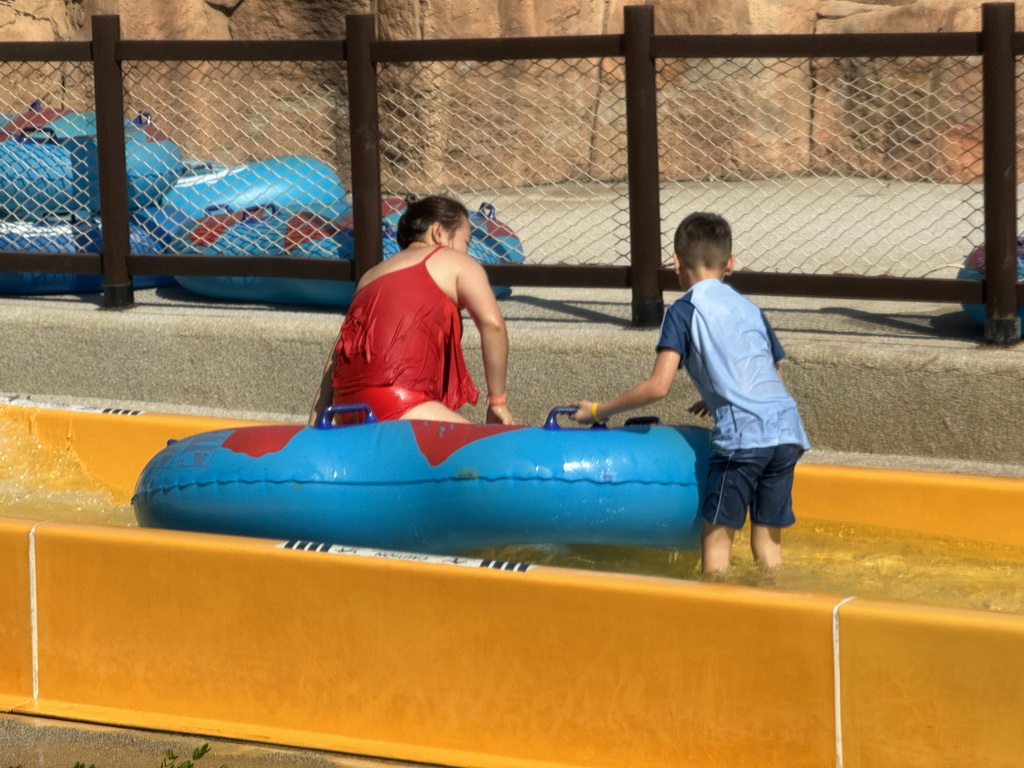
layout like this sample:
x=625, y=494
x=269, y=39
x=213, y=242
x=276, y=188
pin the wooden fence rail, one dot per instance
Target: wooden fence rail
x=997, y=44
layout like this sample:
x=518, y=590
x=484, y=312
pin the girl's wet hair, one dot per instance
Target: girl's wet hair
x=704, y=239
x=421, y=214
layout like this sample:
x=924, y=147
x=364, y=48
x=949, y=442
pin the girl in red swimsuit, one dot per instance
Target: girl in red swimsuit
x=399, y=350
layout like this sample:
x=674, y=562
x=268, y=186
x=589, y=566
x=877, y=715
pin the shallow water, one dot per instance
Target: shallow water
x=40, y=484
x=833, y=558
x=824, y=557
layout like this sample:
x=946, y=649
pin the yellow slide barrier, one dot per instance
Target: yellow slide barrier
x=982, y=508
x=15, y=615
x=448, y=661
x=112, y=447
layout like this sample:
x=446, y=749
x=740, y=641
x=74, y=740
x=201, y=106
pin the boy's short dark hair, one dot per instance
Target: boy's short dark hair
x=704, y=240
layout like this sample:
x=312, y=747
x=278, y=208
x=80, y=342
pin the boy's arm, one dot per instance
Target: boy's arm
x=650, y=390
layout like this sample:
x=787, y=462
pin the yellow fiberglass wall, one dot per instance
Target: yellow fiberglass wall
x=428, y=661
x=113, y=448
x=15, y=613
x=969, y=506
x=930, y=687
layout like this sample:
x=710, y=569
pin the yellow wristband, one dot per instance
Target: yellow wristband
x=593, y=412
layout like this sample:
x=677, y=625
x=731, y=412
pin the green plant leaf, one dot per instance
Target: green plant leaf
x=198, y=752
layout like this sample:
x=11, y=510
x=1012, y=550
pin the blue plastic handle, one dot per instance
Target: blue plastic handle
x=326, y=419
x=37, y=135
x=272, y=208
x=254, y=213
x=552, y=421
x=213, y=210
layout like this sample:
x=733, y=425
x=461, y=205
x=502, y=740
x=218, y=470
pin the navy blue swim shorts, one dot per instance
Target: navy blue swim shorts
x=760, y=479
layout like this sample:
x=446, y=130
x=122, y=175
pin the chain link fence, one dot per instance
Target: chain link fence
x=264, y=147
x=863, y=166
x=223, y=158
x=544, y=142
x=828, y=166
x=824, y=166
x=44, y=190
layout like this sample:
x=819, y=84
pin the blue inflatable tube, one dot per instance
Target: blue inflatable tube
x=73, y=236
x=974, y=269
x=271, y=290
x=493, y=242
x=49, y=164
x=310, y=232
x=433, y=487
x=257, y=209
x=291, y=181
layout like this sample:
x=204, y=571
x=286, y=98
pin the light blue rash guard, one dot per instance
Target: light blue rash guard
x=729, y=350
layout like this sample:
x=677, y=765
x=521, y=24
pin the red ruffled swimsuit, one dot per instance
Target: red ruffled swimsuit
x=401, y=345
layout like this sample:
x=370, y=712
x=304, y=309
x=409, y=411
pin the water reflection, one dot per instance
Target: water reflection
x=823, y=557
x=832, y=558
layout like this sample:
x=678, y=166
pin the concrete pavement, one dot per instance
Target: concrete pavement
x=876, y=381
x=37, y=742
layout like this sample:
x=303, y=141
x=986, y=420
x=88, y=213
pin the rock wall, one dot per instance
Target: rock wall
x=410, y=19
x=538, y=122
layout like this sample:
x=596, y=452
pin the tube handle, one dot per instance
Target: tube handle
x=552, y=420
x=326, y=418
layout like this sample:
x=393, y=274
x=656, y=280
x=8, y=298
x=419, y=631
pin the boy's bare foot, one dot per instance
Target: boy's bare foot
x=769, y=574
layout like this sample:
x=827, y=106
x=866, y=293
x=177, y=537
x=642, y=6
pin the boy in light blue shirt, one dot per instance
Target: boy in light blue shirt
x=732, y=355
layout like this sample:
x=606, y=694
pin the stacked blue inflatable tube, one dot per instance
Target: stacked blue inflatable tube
x=73, y=235
x=49, y=192
x=270, y=230
x=153, y=167
x=974, y=269
x=281, y=205
x=250, y=211
x=977, y=311
x=271, y=290
x=292, y=181
x=51, y=169
x=433, y=487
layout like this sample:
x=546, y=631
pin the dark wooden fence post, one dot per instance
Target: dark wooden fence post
x=642, y=157
x=364, y=128
x=1002, y=322
x=113, y=173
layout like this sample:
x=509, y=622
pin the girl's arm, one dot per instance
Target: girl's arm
x=325, y=394
x=475, y=294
